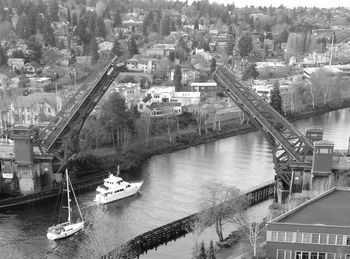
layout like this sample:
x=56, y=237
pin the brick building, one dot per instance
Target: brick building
x=317, y=229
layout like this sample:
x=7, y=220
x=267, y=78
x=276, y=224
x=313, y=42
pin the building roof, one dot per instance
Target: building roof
x=330, y=208
x=147, y=98
x=164, y=105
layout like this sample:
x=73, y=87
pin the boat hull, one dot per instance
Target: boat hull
x=66, y=230
x=102, y=199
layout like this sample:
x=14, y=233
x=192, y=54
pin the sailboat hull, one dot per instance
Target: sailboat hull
x=64, y=230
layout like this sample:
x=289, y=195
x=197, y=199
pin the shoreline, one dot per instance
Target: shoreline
x=134, y=158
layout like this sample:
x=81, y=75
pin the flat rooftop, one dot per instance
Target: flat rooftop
x=332, y=208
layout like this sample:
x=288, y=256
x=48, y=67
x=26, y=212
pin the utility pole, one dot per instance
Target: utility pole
x=330, y=58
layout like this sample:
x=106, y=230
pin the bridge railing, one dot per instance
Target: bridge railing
x=171, y=231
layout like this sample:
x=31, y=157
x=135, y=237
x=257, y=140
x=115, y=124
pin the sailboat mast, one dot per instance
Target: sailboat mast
x=69, y=216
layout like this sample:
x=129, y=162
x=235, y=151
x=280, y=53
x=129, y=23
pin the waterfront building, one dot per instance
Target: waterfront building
x=317, y=229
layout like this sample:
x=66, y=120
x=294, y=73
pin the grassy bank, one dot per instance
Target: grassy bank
x=108, y=158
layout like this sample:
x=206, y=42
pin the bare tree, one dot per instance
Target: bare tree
x=196, y=228
x=218, y=203
x=252, y=226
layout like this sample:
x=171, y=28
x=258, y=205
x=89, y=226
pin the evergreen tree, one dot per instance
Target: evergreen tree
x=49, y=36
x=81, y=32
x=53, y=10
x=92, y=22
x=230, y=45
x=82, y=13
x=117, y=19
x=116, y=50
x=35, y=48
x=177, y=78
x=250, y=72
x=202, y=253
x=172, y=26
x=196, y=25
x=93, y=49
x=21, y=26
x=275, y=99
x=101, y=28
x=132, y=46
x=245, y=45
x=31, y=21
x=212, y=65
x=69, y=18
x=40, y=23
x=3, y=57
x=203, y=44
x=41, y=7
x=284, y=35
x=74, y=19
x=211, y=253
x=165, y=26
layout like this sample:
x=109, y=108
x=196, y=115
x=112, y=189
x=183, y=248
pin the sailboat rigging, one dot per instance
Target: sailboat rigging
x=67, y=228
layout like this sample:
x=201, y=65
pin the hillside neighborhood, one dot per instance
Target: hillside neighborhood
x=49, y=47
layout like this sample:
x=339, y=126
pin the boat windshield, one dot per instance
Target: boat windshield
x=104, y=187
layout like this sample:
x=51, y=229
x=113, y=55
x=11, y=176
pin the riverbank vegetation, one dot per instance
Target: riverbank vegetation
x=117, y=135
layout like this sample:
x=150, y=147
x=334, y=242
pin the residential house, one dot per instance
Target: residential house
x=163, y=109
x=145, y=79
x=161, y=49
x=63, y=32
x=156, y=94
x=141, y=64
x=83, y=60
x=186, y=98
x=207, y=88
x=39, y=82
x=131, y=92
x=318, y=228
x=144, y=103
x=133, y=25
x=188, y=75
x=16, y=63
x=5, y=82
x=32, y=68
x=161, y=93
x=33, y=109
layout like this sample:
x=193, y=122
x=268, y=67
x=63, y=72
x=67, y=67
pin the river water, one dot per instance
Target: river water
x=173, y=184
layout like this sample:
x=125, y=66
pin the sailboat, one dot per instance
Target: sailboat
x=67, y=228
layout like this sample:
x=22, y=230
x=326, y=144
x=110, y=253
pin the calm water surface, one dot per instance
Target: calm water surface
x=173, y=184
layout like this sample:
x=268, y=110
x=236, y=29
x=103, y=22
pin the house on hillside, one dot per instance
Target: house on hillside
x=131, y=92
x=188, y=75
x=33, y=109
x=5, y=82
x=32, y=68
x=141, y=64
x=16, y=63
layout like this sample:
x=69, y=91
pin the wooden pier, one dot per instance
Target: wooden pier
x=179, y=228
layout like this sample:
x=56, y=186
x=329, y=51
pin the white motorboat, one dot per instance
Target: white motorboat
x=115, y=188
x=67, y=228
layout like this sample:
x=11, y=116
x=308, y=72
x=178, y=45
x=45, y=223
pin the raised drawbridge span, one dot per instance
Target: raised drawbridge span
x=70, y=119
x=289, y=146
